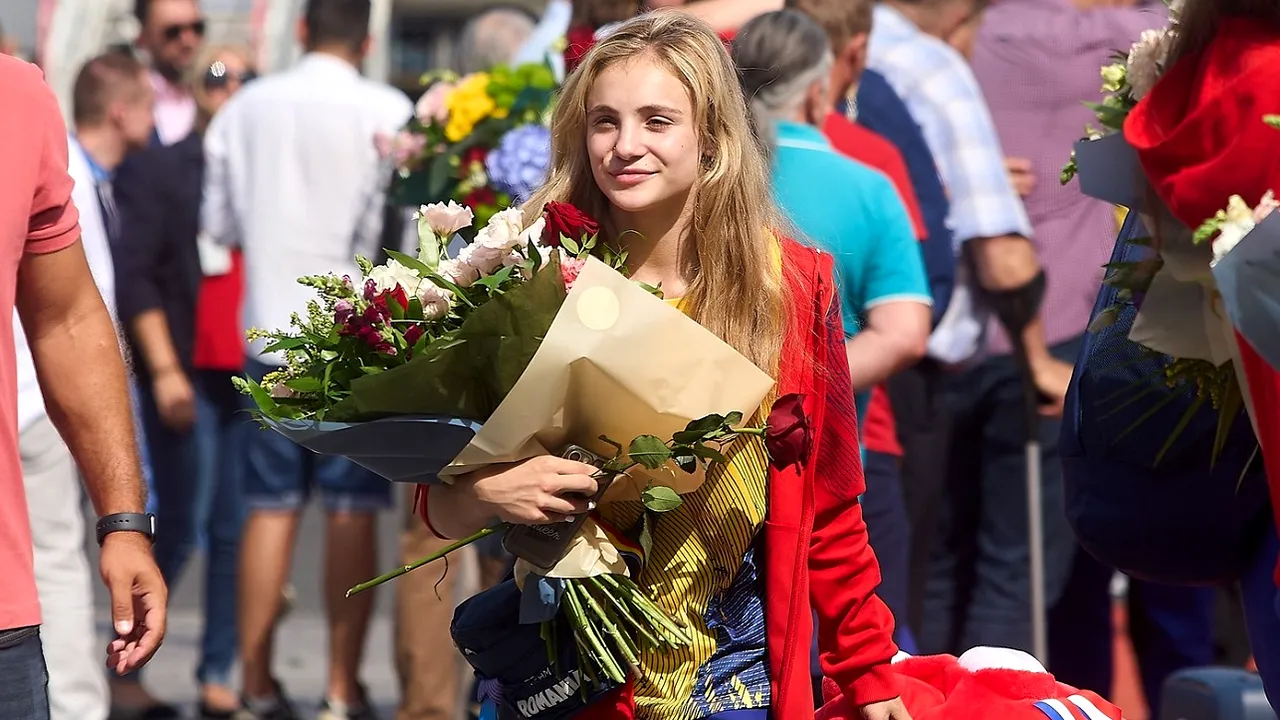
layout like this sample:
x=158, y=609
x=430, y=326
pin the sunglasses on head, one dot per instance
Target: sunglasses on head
x=218, y=76
x=173, y=32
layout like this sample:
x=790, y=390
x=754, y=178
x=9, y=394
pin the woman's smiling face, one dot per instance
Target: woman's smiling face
x=641, y=137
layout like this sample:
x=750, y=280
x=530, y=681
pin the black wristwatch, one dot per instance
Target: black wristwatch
x=127, y=522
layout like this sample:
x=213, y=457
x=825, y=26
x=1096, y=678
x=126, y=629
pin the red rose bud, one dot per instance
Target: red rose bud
x=413, y=335
x=473, y=156
x=400, y=296
x=565, y=219
x=787, y=434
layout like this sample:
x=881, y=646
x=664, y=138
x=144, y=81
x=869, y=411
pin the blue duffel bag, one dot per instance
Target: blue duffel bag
x=1185, y=520
x=1214, y=693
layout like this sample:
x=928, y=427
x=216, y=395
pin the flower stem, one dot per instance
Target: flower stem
x=406, y=569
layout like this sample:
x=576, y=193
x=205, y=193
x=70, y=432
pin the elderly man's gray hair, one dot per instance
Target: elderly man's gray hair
x=493, y=37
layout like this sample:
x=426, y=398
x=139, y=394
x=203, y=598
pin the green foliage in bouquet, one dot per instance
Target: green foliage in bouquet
x=1213, y=385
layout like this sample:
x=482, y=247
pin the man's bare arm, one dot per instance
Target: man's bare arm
x=895, y=337
x=1007, y=263
x=82, y=375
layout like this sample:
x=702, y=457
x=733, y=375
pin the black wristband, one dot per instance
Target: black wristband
x=127, y=522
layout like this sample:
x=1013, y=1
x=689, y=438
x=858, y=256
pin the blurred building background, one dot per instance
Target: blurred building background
x=409, y=35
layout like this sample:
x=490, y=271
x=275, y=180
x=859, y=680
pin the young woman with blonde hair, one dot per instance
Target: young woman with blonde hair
x=652, y=138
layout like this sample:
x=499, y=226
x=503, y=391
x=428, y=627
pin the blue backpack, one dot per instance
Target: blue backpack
x=1186, y=520
x=511, y=661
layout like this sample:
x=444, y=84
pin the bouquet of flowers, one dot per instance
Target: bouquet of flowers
x=1124, y=82
x=531, y=338
x=480, y=140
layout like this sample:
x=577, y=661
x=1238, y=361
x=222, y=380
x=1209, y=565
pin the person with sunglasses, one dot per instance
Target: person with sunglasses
x=179, y=304
x=172, y=33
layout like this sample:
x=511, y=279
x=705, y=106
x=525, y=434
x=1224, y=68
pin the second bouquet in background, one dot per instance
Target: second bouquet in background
x=480, y=140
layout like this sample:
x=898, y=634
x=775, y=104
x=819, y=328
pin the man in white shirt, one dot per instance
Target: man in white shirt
x=112, y=111
x=293, y=179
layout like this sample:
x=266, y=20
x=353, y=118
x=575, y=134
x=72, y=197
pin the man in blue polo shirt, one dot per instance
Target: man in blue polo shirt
x=846, y=208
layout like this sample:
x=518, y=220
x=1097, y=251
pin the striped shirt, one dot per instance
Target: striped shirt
x=943, y=96
x=704, y=569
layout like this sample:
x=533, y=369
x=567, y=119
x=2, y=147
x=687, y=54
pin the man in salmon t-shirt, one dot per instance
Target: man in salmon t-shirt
x=44, y=274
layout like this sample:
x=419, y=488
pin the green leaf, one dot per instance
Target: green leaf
x=649, y=451
x=442, y=168
x=458, y=293
x=262, y=397
x=660, y=499
x=305, y=384
x=733, y=419
x=570, y=245
x=706, y=425
x=410, y=262
x=706, y=452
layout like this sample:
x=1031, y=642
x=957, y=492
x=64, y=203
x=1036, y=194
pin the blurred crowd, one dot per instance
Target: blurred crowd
x=919, y=141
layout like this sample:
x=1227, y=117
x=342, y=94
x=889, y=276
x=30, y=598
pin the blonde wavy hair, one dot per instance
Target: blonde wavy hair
x=729, y=255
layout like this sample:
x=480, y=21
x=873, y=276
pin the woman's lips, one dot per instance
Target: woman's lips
x=631, y=177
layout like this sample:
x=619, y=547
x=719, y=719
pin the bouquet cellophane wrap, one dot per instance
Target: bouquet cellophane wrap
x=619, y=362
x=1183, y=314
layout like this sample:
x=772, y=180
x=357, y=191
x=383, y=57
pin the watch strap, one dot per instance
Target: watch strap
x=144, y=523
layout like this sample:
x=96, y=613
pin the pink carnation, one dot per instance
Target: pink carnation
x=570, y=267
x=431, y=106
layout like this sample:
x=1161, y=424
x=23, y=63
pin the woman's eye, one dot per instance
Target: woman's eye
x=658, y=123
x=604, y=122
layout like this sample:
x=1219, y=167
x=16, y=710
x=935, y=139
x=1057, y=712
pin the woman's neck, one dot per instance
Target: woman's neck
x=653, y=240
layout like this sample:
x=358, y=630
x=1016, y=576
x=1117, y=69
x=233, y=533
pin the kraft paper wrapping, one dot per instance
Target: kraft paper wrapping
x=619, y=362
x=591, y=554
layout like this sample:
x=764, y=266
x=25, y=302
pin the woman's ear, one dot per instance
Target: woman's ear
x=817, y=101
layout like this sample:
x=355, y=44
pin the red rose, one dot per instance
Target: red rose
x=565, y=219
x=787, y=434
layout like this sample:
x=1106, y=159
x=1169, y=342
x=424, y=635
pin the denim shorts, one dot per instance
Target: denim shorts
x=281, y=475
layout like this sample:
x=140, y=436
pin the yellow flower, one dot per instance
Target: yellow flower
x=468, y=104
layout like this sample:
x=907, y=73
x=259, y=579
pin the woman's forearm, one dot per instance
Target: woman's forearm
x=453, y=512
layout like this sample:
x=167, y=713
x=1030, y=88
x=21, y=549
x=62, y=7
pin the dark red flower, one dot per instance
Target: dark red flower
x=788, y=436
x=565, y=219
x=413, y=335
x=400, y=296
x=480, y=196
x=471, y=157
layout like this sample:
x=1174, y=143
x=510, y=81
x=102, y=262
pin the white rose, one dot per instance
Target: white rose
x=392, y=274
x=503, y=230
x=1239, y=222
x=1146, y=61
x=533, y=233
x=435, y=300
x=459, y=271
x=444, y=220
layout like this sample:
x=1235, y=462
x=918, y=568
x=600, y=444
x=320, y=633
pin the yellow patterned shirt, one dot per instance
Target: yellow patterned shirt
x=702, y=569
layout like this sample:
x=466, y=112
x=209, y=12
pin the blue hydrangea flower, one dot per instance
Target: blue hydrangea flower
x=518, y=165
